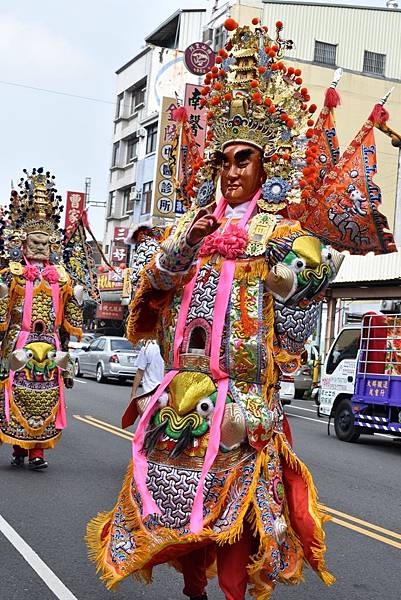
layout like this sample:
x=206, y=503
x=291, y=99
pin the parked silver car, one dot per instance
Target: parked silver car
x=106, y=356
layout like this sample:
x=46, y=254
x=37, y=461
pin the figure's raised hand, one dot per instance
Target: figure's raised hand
x=203, y=225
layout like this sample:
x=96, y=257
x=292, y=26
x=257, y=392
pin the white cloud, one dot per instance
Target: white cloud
x=30, y=52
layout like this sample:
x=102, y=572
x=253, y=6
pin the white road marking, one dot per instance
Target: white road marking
x=80, y=381
x=309, y=419
x=302, y=408
x=45, y=573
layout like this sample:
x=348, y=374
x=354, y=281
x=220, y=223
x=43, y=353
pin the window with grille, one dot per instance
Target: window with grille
x=128, y=201
x=112, y=204
x=325, y=54
x=374, y=63
x=146, y=198
x=132, y=149
x=220, y=36
x=116, y=153
x=138, y=96
x=151, y=139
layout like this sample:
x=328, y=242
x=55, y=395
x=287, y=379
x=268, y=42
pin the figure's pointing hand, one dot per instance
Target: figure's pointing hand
x=203, y=225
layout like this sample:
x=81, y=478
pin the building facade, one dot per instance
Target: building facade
x=366, y=43
x=156, y=71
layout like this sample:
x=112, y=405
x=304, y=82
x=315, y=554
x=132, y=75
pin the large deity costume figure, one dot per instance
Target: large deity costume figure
x=231, y=295
x=39, y=308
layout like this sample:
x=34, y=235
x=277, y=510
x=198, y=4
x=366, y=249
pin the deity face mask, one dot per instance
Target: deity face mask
x=241, y=172
x=37, y=246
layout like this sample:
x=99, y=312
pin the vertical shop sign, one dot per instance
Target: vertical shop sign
x=166, y=160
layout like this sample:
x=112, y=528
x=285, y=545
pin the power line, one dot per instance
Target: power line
x=39, y=89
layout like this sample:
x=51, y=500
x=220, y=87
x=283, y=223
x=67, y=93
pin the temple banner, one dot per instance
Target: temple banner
x=73, y=212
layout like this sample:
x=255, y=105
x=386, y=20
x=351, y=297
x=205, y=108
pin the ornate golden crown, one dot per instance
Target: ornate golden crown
x=252, y=97
x=36, y=208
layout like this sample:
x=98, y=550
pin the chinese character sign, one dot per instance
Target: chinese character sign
x=73, y=212
x=164, y=190
x=193, y=136
x=110, y=310
x=196, y=114
x=119, y=254
x=106, y=284
x=120, y=233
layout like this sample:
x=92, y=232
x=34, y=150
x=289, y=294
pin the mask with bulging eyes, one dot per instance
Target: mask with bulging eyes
x=37, y=246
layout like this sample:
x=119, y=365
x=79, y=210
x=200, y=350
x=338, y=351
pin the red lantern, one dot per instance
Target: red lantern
x=101, y=269
x=230, y=24
x=122, y=266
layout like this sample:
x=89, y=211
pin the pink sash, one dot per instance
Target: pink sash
x=61, y=417
x=21, y=341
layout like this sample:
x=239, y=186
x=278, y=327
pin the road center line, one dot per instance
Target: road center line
x=45, y=573
x=109, y=425
x=80, y=381
x=366, y=532
x=124, y=435
x=308, y=418
x=332, y=511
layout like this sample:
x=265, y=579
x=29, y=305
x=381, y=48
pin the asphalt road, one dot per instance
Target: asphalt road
x=50, y=509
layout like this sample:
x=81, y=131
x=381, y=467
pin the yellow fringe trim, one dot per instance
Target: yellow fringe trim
x=148, y=546
x=28, y=445
x=77, y=331
x=249, y=270
x=145, y=550
x=319, y=548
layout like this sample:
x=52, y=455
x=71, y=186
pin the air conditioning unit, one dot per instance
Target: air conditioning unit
x=141, y=132
x=135, y=195
x=390, y=306
x=207, y=36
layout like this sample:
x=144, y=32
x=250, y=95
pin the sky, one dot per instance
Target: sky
x=71, y=46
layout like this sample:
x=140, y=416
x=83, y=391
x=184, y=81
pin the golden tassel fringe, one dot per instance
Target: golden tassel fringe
x=29, y=445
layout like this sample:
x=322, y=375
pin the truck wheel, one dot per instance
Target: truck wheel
x=344, y=422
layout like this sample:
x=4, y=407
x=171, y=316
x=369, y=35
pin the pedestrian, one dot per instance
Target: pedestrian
x=150, y=367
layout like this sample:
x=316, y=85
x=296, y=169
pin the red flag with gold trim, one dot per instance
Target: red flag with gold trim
x=344, y=210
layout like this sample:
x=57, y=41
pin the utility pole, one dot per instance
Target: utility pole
x=88, y=201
